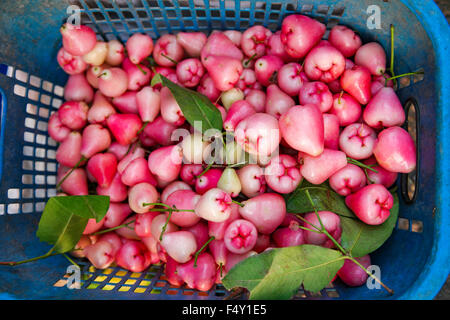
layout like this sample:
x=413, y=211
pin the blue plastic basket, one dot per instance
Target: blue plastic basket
x=414, y=261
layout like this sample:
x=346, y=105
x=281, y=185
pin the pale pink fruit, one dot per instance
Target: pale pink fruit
x=254, y=41
x=233, y=259
x=69, y=151
x=258, y=134
x=265, y=211
x=100, y=254
x=143, y=224
x=324, y=63
x=136, y=172
x=348, y=180
x=200, y=232
x=331, y=131
x=240, y=236
x=234, y=35
x=119, y=150
x=179, y=245
x=252, y=180
x=277, y=102
x=208, y=88
x=124, y=127
x=289, y=79
x=257, y=98
x=78, y=251
x=100, y=110
x=193, y=147
x=276, y=47
x=346, y=108
x=158, y=223
x=113, y=239
x=137, y=75
x=357, y=82
x=77, y=88
x=128, y=232
x=266, y=69
x=139, y=46
x=171, y=273
x=115, y=54
x=73, y=114
x=300, y=34
x=95, y=139
x=201, y=277
x=219, y=44
x=77, y=40
x=395, y=150
x=113, y=82
x=219, y=252
x=289, y=236
x=317, y=93
x=93, y=226
x=217, y=229
x=183, y=199
x=262, y=243
x=214, y=205
x=116, y=214
x=69, y=63
x=103, y=167
x=140, y=195
x=357, y=141
x=345, y=40
x=167, y=51
x=190, y=72
x=56, y=129
x=302, y=129
x=126, y=102
x=372, y=56
x=116, y=191
x=75, y=184
x=223, y=70
x=238, y=111
x=331, y=223
x=382, y=176
x=133, y=256
x=384, y=110
x=170, y=110
x=172, y=187
x=248, y=81
x=352, y=274
x=159, y=131
x=282, y=174
x=371, y=204
x=192, y=42
x=165, y=163
x=132, y=152
x=318, y=169
x=379, y=82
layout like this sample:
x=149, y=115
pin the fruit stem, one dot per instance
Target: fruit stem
x=113, y=228
x=140, y=68
x=169, y=58
x=143, y=127
x=391, y=67
x=83, y=158
x=206, y=170
x=340, y=96
x=71, y=261
x=246, y=63
x=391, y=292
x=404, y=74
x=360, y=164
x=201, y=249
x=165, y=225
x=238, y=203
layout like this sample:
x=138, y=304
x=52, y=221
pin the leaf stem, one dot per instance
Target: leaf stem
x=113, y=228
x=70, y=260
x=15, y=263
x=391, y=66
x=201, y=249
x=360, y=164
x=371, y=275
x=70, y=171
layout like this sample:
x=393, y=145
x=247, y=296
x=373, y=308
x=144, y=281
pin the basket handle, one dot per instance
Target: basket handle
x=3, y=103
x=409, y=182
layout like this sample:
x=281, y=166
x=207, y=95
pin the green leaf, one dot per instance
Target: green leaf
x=195, y=106
x=360, y=238
x=324, y=198
x=64, y=219
x=279, y=272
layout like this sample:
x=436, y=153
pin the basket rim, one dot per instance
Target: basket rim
x=437, y=268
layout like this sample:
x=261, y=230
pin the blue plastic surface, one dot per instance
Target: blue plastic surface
x=415, y=263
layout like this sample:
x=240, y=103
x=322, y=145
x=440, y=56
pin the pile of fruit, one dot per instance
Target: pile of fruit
x=293, y=109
